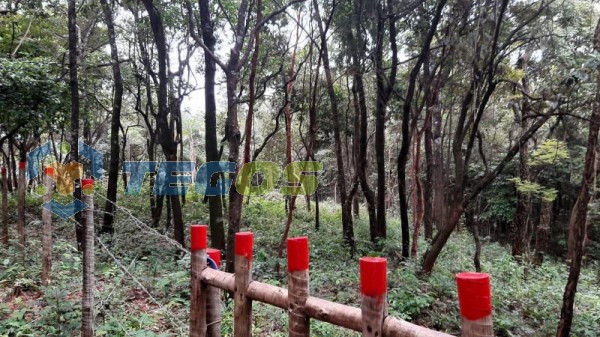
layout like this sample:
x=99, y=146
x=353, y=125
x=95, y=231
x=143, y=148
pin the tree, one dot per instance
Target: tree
x=113, y=170
x=578, y=220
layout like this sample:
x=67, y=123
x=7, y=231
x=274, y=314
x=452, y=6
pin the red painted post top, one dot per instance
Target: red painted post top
x=22, y=164
x=297, y=253
x=3, y=171
x=243, y=244
x=215, y=255
x=198, y=237
x=373, y=276
x=49, y=170
x=87, y=182
x=474, y=295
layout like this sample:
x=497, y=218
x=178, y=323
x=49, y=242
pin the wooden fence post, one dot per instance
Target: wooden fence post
x=242, y=311
x=297, y=254
x=47, y=227
x=198, y=290
x=22, y=187
x=475, y=301
x=213, y=300
x=87, y=300
x=4, y=206
x=373, y=284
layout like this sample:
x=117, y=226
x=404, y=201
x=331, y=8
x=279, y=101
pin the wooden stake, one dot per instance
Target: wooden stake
x=4, y=206
x=199, y=294
x=47, y=228
x=373, y=284
x=87, y=300
x=213, y=301
x=475, y=301
x=297, y=250
x=21, y=206
x=242, y=311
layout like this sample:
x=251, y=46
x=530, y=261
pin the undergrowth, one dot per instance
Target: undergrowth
x=526, y=299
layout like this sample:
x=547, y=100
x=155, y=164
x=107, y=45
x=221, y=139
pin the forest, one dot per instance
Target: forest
x=445, y=136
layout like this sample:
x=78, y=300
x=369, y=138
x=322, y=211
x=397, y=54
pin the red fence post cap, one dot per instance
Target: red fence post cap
x=373, y=276
x=88, y=182
x=215, y=255
x=297, y=253
x=49, y=170
x=474, y=295
x=243, y=244
x=198, y=237
x=22, y=164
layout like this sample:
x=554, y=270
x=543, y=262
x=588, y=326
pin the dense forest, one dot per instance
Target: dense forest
x=444, y=135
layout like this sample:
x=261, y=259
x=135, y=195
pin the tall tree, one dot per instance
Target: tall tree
x=215, y=205
x=113, y=169
x=385, y=87
x=166, y=132
x=406, y=120
x=347, y=223
x=578, y=221
x=74, y=89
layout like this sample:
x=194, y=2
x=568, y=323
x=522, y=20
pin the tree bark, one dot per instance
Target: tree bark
x=406, y=116
x=164, y=130
x=384, y=91
x=578, y=221
x=74, y=88
x=215, y=208
x=347, y=225
x=113, y=168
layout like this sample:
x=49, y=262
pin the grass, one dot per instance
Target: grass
x=526, y=299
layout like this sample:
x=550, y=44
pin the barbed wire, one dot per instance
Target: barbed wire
x=141, y=225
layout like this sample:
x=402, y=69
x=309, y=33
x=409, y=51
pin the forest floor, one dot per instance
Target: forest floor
x=153, y=300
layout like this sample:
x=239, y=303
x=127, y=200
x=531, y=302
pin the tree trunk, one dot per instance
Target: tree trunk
x=418, y=213
x=384, y=90
x=347, y=226
x=74, y=88
x=578, y=221
x=542, y=231
x=164, y=130
x=360, y=105
x=113, y=168
x=47, y=232
x=520, y=244
x=215, y=208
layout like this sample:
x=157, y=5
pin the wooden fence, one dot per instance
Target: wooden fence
x=370, y=319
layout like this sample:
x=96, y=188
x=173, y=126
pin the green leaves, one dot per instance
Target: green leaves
x=531, y=188
x=551, y=152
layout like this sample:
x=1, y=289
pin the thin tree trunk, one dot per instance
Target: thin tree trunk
x=384, y=90
x=215, y=208
x=288, y=143
x=113, y=168
x=5, y=175
x=164, y=130
x=578, y=221
x=47, y=233
x=360, y=105
x=542, y=231
x=21, y=190
x=347, y=226
x=418, y=213
x=74, y=88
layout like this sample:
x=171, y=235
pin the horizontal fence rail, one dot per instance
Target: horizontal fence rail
x=371, y=319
